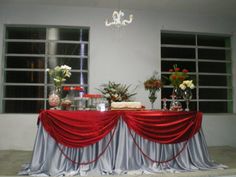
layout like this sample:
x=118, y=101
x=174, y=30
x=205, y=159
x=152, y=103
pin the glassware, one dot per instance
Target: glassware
x=80, y=103
x=175, y=105
x=66, y=104
x=54, y=99
x=164, y=104
x=102, y=105
x=152, y=97
x=177, y=92
x=187, y=96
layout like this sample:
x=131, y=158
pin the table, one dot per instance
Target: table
x=118, y=142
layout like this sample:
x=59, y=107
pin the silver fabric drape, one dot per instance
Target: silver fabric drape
x=121, y=157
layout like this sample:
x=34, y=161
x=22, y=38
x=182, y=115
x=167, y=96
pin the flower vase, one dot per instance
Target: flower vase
x=187, y=96
x=54, y=99
x=58, y=90
x=177, y=92
x=152, y=97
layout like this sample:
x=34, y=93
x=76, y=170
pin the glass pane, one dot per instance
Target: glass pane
x=25, y=48
x=85, y=34
x=167, y=92
x=50, y=88
x=168, y=52
x=25, y=33
x=166, y=81
x=192, y=105
x=76, y=78
x=24, y=91
x=166, y=65
x=23, y=106
x=213, y=54
x=69, y=34
x=214, y=41
x=213, y=67
x=24, y=77
x=180, y=39
x=205, y=93
x=207, y=80
x=74, y=63
x=215, y=107
x=68, y=49
x=25, y=62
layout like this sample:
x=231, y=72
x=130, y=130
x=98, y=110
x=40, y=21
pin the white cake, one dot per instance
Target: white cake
x=126, y=105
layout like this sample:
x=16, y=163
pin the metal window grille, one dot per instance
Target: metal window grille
x=208, y=58
x=28, y=52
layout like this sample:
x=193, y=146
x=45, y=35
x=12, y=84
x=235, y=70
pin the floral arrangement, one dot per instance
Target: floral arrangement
x=153, y=83
x=59, y=74
x=116, y=92
x=177, y=76
x=187, y=84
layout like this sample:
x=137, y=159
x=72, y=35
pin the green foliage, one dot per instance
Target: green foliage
x=59, y=74
x=116, y=92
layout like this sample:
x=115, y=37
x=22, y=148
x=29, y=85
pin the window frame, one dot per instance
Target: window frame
x=197, y=60
x=46, y=57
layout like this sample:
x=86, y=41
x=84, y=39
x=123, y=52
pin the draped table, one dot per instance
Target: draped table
x=118, y=142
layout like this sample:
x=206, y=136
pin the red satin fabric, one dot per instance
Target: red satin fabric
x=84, y=128
x=80, y=128
x=164, y=127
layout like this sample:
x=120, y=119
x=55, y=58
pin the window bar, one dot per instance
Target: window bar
x=81, y=60
x=46, y=75
x=197, y=72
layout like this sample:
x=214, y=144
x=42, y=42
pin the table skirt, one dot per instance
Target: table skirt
x=122, y=156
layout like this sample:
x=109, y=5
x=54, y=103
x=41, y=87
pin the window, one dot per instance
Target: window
x=28, y=52
x=208, y=58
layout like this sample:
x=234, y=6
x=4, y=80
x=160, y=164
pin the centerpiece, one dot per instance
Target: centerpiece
x=116, y=92
x=153, y=84
x=186, y=86
x=59, y=75
x=177, y=76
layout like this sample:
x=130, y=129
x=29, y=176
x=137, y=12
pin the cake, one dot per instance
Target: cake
x=126, y=105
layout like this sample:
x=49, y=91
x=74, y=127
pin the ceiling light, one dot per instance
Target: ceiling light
x=118, y=19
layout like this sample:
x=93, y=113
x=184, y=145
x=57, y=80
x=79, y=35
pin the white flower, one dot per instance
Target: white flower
x=192, y=86
x=182, y=86
x=187, y=84
x=65, y=67
x=59, y=74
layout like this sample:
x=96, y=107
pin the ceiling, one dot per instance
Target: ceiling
x=226, y=8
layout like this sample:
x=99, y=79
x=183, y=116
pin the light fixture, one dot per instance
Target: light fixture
x=118, y=18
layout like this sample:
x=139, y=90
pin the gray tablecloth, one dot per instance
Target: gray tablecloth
x=121, y=157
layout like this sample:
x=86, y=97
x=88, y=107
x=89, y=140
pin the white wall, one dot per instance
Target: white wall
x=128, y=55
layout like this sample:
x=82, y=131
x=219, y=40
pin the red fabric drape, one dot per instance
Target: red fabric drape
x=80, y=128
x=164, y=127
x=83, y=128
